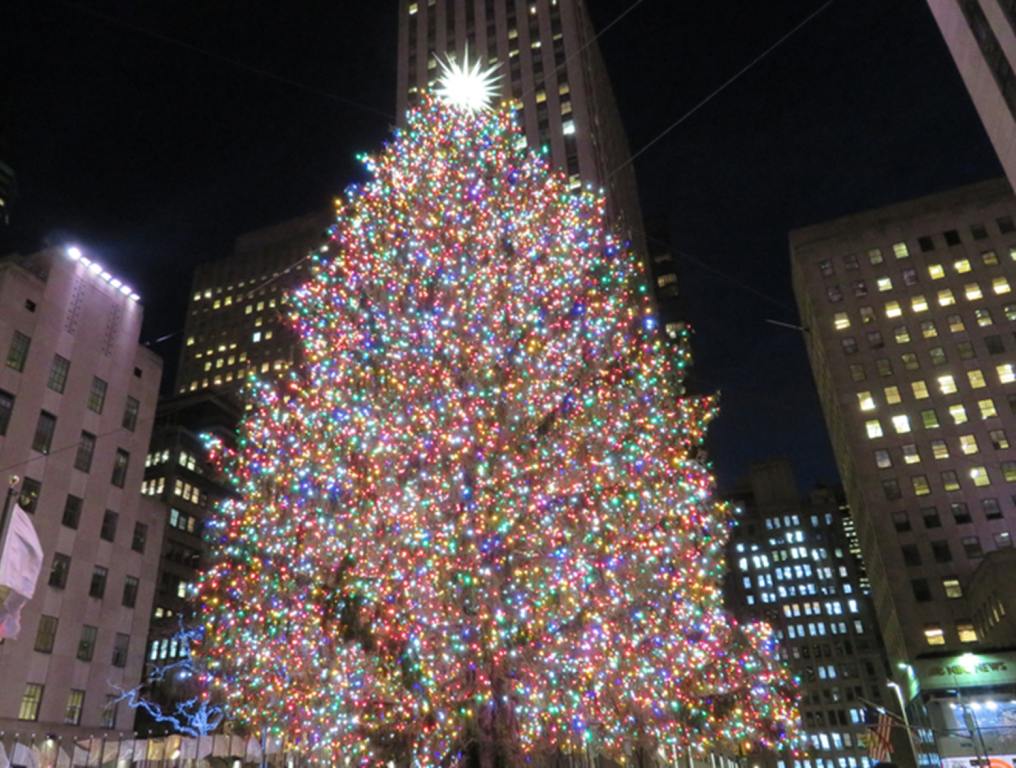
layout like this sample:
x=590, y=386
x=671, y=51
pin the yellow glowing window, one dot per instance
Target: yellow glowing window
x=987, y=408
x=920, y=390
x=1012, y=253
x=911, y=454
x=1006, y=374
x=946, y=298
x=921, y=486
x=952, y=588
x=961, y=266
x=918, y=303
x=966, y=632
x=190, y=341
x=841, y=321
x=217, y=303
x=865, y=401
x=1000, y=285
x=935, y=271
x=939, y=450
x=901, y=251
x=968, y=444
x=541, y=96
x=980, y=476
x=901, y=334
x=933, y=635
x=958, y=413
x=892, y=309
x=956, y=324
x=901, y=424
x=884, y=284
x=892, y=395
x=413, y=8
x=928, y=329
x=976, y=379
x=983, y=317
x=972, y=291
x=874, y=428
x=946, y=384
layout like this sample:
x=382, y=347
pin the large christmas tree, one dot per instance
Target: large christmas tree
x=471, y=528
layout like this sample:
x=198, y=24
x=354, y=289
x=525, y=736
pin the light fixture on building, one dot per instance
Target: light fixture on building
x=74, y=253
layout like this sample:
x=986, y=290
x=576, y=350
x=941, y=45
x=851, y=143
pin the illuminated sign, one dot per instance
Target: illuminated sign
x=968, y=670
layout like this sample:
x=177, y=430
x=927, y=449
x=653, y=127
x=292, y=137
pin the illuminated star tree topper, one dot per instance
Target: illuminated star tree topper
x=467, y=86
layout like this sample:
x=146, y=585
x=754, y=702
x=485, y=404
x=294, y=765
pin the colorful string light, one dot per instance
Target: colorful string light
x=473, y=519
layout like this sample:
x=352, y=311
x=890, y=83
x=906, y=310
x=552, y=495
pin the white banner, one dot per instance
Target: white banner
x=20, y=565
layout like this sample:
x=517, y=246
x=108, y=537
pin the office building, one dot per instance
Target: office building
x=77, y=401
x=235, y=322
x=186, y=484
x=551, y=72
x=791, y=565
x=981, y=35
x=910, y=312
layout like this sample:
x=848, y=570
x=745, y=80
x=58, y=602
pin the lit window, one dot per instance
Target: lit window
x=966, y=632
x=920, y=390
x=875, y=256
x=901, y=334
x=256, y=337
x=884, y=284
x=883, y=460
x=901, y=424
x=939, y=450
x=934, y=635
x=989, y=258
x=892, y=309
x=1000, y=285
x=921, y=485
x=980, y=476
x=958, y=412
x=946, y=298
x=910, y=361
x=892, y=395
x=1006, y=373
x=30, y=700
x=953, y=588
x=928, y=329
x=911, y=454
x=568, y=128
x=901, y=251
x=874, y=428
x=1010, y=311
x=972, y=291
x=918, y=303
x=983, y=317
x=935, y=271
x=946, y=384
x=987, y=408
x=968, y=444
x=956, y=324
x=962, y=266
x=841, y=320
x=413, y=8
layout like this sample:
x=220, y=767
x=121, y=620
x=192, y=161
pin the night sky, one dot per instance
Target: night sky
x=156, y=132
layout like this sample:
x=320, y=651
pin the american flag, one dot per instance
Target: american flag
x=880, y=746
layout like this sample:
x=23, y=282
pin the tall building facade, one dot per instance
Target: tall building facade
x=791, y=565
x=186, y=484
x=910, y=312
x=551, y=72
x=77, y=401
x=235, y=323
x=981, y=35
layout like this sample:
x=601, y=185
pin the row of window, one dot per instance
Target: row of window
x=900, y=250
x=31, y=702
x=919, y=303
x=941, y=551
x=60, y=570
x=950, y=480
x=45, y=640
x=909, y=277
x=934, y=634
x=819, y=629
x=901, y=334
x=968, y=445
x=229, y=377
x=945, y=384
x=929, y=419
x=961, y=515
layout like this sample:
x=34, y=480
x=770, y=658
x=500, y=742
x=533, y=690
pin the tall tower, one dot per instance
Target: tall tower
x=552, y=73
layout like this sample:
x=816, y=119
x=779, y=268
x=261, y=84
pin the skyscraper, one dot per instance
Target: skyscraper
x=909, y=312
x=77, y=400
x=551, y=72
x=791, y=565
x=981, y=35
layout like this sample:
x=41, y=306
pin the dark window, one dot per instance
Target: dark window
x=30, y=491
x=941, y=552
x=45, y=636
x=120, y=645
x=926, y=243
x=857, y=372
x=137, y=373
x=922, y=592
x=130, y=414
x=960, y=512
x=6, y=409
x=972, y=546
x=42, y=441
x=875, y=340
x=86, y=449
x=891, y=489
x=952, y=237
x=991, y=508
x=901, y=521
x=58, y=373
x=130, y=592
x=1005, y=225
x=911, y=555
x=17, y=354
x=849, y=345
x=86, y=645
x=966, y=350
x=97, y=395
x=59, y=570
x=72, y=511
x=120, y=468
x=109, y=521
x=937, y=355
x=931, y=518
x=29, y=305
x=97, y=587
x=994, y=345
x=978, y=231
x=140, y=537
x=909, y=276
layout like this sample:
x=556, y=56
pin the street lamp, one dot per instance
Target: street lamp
x=906, y=720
